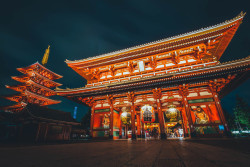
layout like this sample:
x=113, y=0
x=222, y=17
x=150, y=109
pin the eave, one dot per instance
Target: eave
x=26, y=77
x=32, y=67
x=22, y=87
x=33, y=95
x=189, y=76
x=19, y=97
x=18, y=106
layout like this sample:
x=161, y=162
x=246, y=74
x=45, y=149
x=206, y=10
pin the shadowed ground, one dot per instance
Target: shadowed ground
x=151, y=153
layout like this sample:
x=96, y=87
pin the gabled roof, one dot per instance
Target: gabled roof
x=183, y=40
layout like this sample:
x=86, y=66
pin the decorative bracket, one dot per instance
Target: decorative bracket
x=157, y=93
x=89, y=101
x=153, y=62
x=175, y=58
x=110, y=99
x=183, y=90
x=95, y=74
x=131, y=96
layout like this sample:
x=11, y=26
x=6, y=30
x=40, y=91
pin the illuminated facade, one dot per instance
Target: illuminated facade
x=172, y=86
x=35, y=86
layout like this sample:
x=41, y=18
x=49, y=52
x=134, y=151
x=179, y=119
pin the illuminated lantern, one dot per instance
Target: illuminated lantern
x=147, y=114
x=125, y=116
x=172, y=113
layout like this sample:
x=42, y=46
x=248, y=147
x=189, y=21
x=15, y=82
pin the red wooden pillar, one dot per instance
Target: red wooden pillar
x=161, y=120
x=183, y=90
x=220, y=110
x=133, y=121
x=215, y=87
x=187, y=109
x=157, y=95
x=138, y=125
x=111, y=117
x=131, y=98
x=120, y=127
x=111, y=125
x=184, y=123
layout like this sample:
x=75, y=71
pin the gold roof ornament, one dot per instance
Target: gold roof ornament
x=46, y=56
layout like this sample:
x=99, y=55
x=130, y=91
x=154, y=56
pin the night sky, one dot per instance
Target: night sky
x=81, y=29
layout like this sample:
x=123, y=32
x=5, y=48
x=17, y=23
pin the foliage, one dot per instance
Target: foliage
x=242, y=112
x=85, y=122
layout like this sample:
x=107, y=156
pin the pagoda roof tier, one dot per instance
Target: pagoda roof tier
x=196, y=75
x=41, y=70
x=33, y=87
x=36, y=77
x=221, y=34
x=29, y=97
x=14, y=108
x=14, y=97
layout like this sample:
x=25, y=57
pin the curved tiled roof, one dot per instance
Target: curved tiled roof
x=22, y=70
x=181, y=37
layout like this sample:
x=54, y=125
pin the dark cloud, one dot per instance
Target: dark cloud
x=80, y=29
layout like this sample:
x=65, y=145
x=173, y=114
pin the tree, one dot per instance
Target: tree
x=242, y=112
x=85, y=122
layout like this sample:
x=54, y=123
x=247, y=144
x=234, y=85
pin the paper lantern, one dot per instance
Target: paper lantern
x=125, y=116
x=172, y=113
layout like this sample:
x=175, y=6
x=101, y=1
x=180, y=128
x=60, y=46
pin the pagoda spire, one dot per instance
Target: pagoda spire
x=46, y=56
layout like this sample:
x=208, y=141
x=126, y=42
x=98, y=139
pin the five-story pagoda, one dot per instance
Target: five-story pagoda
x=35, y=86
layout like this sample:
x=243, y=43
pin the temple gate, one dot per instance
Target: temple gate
x=171, y=87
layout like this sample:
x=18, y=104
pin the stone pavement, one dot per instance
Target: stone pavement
x=142, y=153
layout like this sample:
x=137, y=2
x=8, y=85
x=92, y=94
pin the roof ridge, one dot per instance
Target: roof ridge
x=239, y=16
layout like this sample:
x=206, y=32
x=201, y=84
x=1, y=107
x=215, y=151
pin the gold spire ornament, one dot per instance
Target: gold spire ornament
x=46, y=56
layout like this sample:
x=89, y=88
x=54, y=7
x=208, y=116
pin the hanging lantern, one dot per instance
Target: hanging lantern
x=106, y=121
x=147, y=114
x=125, y=116
x=172, y=113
